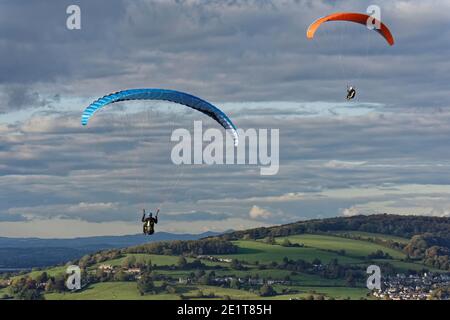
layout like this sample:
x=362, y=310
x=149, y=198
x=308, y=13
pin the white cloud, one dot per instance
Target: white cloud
x=352, y=211
x=259, y=213
x=336, y=164
x=442, y=212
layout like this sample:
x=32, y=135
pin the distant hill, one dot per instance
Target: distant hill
x=396, y=225
x=429, y=236
x=36, y=252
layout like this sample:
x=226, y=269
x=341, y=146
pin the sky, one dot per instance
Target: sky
x=386, y=151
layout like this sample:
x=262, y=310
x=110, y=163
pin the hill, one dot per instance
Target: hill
x=395, y=225
x=319, y=259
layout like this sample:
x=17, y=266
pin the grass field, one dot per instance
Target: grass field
x=368, y=235
x=221, y=292
x=355, y=248
x=109, y=291
x=403, y=266
x=277, y=274
x=50, y=271
x=252, y=251
x=128, y=291
x=331, y=292
x=158, y=260
x=3, y=291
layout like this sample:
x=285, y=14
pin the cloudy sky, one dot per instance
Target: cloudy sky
x=387, y=151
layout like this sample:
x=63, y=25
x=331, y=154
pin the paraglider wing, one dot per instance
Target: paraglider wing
x=352, y=17
x=166, y=95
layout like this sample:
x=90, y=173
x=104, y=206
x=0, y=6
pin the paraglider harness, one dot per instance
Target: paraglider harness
x=351, y=92
x=149, y=222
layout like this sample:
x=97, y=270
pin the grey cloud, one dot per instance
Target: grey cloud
x=5, y=217
x=213, y=48
x=105, y=162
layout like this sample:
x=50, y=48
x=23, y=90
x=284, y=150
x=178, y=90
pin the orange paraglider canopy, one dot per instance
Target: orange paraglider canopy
x=353, y=17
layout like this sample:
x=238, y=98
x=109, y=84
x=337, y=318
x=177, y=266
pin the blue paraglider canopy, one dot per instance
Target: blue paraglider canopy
x=166, y=95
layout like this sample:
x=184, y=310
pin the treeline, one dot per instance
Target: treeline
x=432, y=249
x=396, y=225
x=191, y=247
x=389, y=243
x=33, y=288
x=92, y=259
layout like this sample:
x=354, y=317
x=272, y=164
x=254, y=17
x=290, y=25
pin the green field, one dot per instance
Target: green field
x=128, y=291
x=50, y=271
x=109, y=291
x=355, y=248
x=334, y=292
x=368, y=235
x=252, y=251
x=158, y=260
x=3, y=291
x=403, y=266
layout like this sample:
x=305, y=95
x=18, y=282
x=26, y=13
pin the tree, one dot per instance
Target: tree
x=181, y=263
x=270, y=240
x=85, y=261
x=266, y=291
x=42, y=278
x=171, y=290
x=234, y=284
x=25, y=289
x=199, y=273
x=204, y=280
x=50, y=285
x=145, y=284
x=235, y=264
x=148, y=265
x=350, y=280
x=286, y=243
x=129, y=262
x=122, y=276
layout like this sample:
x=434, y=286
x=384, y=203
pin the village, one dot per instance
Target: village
x=414, y=287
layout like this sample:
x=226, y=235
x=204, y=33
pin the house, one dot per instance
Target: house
x=133, y=270
x=106, y=268
x=184, y=281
